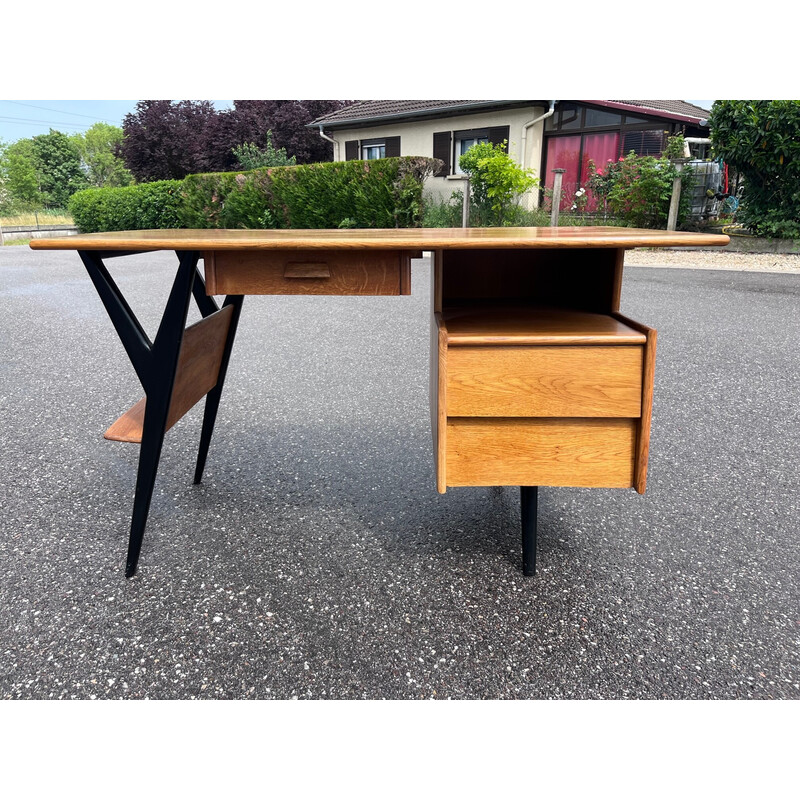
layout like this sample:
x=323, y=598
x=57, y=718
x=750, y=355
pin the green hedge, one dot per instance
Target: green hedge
x=385, y=193
x=128, y=208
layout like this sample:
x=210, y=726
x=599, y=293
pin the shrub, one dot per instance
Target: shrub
x=496, y=184
x=760, y=139
x=638, y=189
x=385, y=193
x=128, y=208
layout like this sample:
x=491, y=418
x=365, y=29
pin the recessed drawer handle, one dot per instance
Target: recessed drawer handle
x=307, y=270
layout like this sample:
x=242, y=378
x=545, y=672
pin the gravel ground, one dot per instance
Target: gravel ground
x=713, y=259
x=316, y=560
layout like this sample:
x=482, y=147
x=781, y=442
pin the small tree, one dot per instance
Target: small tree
x=21, y=177
x=496, y=182
x=760, y=139
x=250, y=156
x=59, y=166
x=99, y=147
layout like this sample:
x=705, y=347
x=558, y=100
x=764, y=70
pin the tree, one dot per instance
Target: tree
x=250, y=156
x=496, y=183
x=20, y=176
x=288, y=121
x=165, y=140
x=58, y=163
x=99, y=147
x=760, y=139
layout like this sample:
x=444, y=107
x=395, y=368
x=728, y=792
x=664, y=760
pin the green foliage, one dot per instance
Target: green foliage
x=760, y=139
x=128, y=208
x=675, y=147
x=638, y=189
x=20, y=177
x=250, y=156
x=385, y=193
x=58, y=164
x=441, y=213
x=98, y=148
x=496, y=183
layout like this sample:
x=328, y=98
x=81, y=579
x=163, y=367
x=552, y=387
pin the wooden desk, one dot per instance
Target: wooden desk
x=536, y=378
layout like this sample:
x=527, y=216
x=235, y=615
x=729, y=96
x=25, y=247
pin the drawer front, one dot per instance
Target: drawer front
x=541, y=452
x=305, y=272
x=541, y=381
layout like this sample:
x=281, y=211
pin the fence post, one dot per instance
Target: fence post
x=674, y=201
x=465, y=206
x=558, y=177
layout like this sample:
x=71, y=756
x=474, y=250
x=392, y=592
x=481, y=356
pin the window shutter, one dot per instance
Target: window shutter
x=351, y=150
x=499, y=135
x=392, y=146
x=441, y=149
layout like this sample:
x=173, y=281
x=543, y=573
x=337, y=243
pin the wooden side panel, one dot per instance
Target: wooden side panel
x=438, y=395
x=544, y=381
x=648, y=380
x=595, y=453
x=198, y=371
x=310, y=272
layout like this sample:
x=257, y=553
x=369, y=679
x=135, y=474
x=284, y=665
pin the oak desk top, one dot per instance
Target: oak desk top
x=381, y=239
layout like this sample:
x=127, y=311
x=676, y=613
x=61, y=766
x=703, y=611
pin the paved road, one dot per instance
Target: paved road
x=317, y=560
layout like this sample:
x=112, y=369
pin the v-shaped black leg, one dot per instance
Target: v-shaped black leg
x=157, y=365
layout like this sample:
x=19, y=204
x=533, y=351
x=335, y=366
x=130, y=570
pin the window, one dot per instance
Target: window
x=463, y=141
x=372, y=148
x=449, y=146
x=369, y=149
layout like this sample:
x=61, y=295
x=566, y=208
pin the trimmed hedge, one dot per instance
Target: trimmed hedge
x=384, y=193
x=128, y=208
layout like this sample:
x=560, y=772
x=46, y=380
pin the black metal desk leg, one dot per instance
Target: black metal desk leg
x=213, y=397
x=529, y=503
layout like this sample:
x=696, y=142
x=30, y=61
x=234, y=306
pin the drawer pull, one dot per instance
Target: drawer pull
x=306, y=270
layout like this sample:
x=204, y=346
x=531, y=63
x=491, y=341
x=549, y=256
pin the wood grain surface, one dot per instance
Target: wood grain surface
x=540, y=452
x=307, y=272
x=395, y=238
x=544, y=381
x=197, y=374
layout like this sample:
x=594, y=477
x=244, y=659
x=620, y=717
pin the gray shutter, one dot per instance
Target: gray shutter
x=392, y=146
x=441, y=149
x=351, y=150
x=499, y=134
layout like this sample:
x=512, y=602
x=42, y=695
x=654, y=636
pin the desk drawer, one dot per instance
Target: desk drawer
x=541, y=381
x=541, y=452
x=305, y=272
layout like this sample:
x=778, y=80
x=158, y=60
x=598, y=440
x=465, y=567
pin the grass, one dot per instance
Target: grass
x=12, y=242
x=45, y=217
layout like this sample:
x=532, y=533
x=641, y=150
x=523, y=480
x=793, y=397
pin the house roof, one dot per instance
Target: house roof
x=377, y=111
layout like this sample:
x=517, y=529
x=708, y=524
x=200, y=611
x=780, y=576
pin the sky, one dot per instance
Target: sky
x=21, y=119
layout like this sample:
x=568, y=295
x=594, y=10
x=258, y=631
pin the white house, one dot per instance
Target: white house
x=541, y=134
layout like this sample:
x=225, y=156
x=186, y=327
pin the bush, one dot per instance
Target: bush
x=638, y=189
x=128, y=208
x=760, y=139
x=496, y=184
x=385, y=193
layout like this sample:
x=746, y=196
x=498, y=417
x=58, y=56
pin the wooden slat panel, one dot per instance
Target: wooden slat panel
x=544, y=381
x=336, y=273
x=541, y=452
x=198, y=371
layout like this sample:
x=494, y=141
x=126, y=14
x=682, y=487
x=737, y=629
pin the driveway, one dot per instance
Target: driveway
x=317, y=560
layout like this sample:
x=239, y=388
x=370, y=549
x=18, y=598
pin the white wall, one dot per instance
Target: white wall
x=416, y=139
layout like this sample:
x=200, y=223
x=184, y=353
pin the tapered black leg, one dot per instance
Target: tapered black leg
x=529, y=503
x=214, y=396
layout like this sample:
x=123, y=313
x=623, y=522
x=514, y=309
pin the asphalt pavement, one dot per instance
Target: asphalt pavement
x=317, y=560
